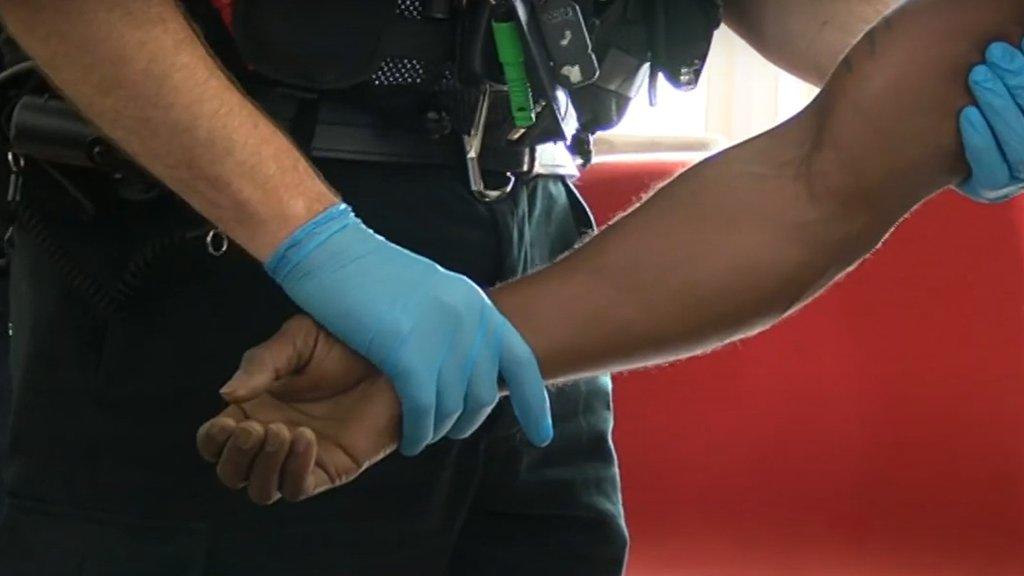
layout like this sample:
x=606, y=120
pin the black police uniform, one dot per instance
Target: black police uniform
x=5, y=375
x=128, y=315
x=6, y=221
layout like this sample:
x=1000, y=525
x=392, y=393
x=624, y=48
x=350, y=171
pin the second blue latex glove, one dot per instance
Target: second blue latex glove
x=434, y=333
x=993, y=130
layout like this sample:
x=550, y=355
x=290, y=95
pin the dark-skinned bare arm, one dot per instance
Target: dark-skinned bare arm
x=748, y=236
x=723, y=251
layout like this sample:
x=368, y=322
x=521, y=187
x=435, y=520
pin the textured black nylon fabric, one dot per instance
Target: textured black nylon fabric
x=313, y=43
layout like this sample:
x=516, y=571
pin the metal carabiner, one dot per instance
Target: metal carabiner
x=472, y=144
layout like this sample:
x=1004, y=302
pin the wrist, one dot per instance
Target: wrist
x=518, y=303
x=551, y=309
x=281, y=223
x=297, y=246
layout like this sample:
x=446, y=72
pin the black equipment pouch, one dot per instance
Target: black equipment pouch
x=638, y=39
x=681, y=34
x=333, y=45
x=47, y=128
x=631, y=41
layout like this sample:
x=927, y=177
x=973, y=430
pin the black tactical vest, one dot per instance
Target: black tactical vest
x=335, y=45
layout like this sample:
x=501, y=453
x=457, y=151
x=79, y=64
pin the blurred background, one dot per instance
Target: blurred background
x=740, y=94
x=879, y=431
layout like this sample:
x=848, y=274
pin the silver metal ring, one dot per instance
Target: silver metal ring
x=15, y=161
x=216, y=243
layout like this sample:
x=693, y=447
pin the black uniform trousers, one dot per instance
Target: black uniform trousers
x=124, y=327
x=5, y=381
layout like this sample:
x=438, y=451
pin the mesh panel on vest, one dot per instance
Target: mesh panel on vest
x=410, y=8
x=392, y=71
x=399, y=72
x=402, y=71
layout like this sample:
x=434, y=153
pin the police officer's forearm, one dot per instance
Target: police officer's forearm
x=140, y=73
x=746, y=237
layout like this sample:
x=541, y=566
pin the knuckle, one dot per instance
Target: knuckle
x=459, y=296
x=255, y=437
x=450, y=305
x=252, y=357
x=278, y=429
x=254, y=361
x=299, y=322
x=248, y=355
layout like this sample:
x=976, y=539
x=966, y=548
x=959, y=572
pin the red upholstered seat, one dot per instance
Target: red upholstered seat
x=879, y=431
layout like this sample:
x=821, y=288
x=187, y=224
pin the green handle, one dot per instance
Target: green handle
x=510, y=53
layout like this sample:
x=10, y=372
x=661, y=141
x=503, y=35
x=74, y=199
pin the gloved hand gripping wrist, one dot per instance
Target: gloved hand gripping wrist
x=434, y=333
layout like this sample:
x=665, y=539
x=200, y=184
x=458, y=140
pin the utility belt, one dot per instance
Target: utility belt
x=46, y=128
x=107, y=225
x=88, y=182
x=337, y=128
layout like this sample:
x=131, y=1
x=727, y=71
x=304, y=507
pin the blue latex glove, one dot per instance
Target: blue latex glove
x=434, y=333
x=993, y=130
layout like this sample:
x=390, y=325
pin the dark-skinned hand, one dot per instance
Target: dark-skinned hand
x=306, y=414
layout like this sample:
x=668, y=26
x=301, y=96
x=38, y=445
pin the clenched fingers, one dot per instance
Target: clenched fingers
x=266, y=470
x=239, y=454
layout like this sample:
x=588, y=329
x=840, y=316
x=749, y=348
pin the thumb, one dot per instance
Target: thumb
x=267, y=366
